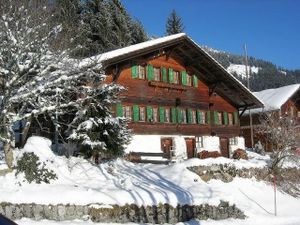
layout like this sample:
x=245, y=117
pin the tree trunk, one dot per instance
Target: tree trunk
x=8, y=144
x=8, y=151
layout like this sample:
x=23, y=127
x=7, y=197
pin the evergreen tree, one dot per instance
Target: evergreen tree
x=174, y=24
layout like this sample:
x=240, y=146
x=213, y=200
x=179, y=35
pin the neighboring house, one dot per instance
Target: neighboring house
x=284, y=100
x=179, y=100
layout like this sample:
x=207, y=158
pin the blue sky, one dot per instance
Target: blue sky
x=270, y=28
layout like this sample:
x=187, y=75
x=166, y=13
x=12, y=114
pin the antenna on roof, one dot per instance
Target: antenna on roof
x=248, y=86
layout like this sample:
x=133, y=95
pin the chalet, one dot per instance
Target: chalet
x=178, y=99
x=284, y=101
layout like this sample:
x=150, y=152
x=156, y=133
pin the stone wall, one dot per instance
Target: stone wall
x=288, y=179
x=162, y=213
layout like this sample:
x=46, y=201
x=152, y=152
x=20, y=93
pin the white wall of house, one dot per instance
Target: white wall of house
x=210, y=144
x=152, y=143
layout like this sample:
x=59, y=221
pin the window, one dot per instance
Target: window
x=188, y=80
x=141, y=72
x=127, y=112
x=142, y=113
x=193, y=119
x=201, y=117
x=183, y=113
x=199, y=142
x=155, y=115
x=167, y=115
x=220, y=120
x=156, y=73
x=298, y=113
x=233, y=141
x=230, y=118
x=176, y=77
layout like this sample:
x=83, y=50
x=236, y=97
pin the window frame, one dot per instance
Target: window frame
x=139, y=74
x=127, y=111
x=142, y=112
x=176, y=75
x=189, y=81
x=155, y=75
x=155, y=114
x=233, y=141
x=167, y=115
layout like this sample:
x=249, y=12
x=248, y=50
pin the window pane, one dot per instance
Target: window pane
x=142, y=114
x=141, y=72
x=155, y=115
x=156, y=74
x=176, y=77
x=183, y=113
x=167, y=115
x=193, y=116
x=189, y=80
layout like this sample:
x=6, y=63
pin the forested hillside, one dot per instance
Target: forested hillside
x=263, y=74
x=94, y=26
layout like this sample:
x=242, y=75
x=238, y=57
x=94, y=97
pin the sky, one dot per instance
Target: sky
x=269, y=28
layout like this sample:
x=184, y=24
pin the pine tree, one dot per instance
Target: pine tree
x=37, y=80
x=174, y=24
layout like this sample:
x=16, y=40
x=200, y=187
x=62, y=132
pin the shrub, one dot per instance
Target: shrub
x=33, y=169
x=240, y=154
x=207, y=154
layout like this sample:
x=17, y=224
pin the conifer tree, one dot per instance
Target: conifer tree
x=174, y=24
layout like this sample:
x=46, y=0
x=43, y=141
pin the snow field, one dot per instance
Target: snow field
x=121, y=182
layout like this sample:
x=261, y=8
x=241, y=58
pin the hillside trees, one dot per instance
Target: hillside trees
x=37, y=79
x=174, y=24
x=97, y=26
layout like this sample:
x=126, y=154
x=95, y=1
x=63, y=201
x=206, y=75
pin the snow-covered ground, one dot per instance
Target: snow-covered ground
x=241, y=70
x=121, y=182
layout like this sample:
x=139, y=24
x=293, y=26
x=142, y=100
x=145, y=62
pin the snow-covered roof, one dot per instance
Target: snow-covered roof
x=211, y=71
x=274, y=98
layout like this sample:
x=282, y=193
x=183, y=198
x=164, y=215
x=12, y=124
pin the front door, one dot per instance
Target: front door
x=166, y=145
x=190, y=147
x=224, y=147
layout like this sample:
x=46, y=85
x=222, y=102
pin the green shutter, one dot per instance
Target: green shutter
x=161, y=114
x=225, y=115
x=189, y=116
x=195, y=81
x=236, y=118
x=119, y=110
x=179, y=114
x=173, y=115
x=199, y=117
x=149, y=113
x=208, y=117
x=134, y=73
x=171, y=76
x=135, y=109
x=150, y=72
x=183, y=78
x=164, y=74
x=216, y=119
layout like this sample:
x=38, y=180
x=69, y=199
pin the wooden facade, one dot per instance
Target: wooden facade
x=169, y=93
x=291, y=108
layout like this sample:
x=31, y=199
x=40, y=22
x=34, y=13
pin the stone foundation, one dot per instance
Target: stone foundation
x=162, y=213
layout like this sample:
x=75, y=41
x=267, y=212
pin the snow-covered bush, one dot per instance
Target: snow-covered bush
x=34, y=170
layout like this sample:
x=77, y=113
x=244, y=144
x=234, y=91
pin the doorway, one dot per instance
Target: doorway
x=166, y=147
x=190, y=147
x=224, y=145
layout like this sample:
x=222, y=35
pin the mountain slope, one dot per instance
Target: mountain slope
x=263, y=74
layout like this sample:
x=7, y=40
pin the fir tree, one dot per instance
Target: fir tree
x=174, y=24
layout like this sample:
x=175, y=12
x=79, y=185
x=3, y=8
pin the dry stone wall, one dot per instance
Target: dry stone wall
x=162, y=213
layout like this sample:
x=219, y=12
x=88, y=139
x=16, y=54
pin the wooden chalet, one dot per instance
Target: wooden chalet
x=282, y=101
x=179, y=100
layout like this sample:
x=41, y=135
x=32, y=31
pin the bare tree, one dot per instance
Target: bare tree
x=281, y=133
